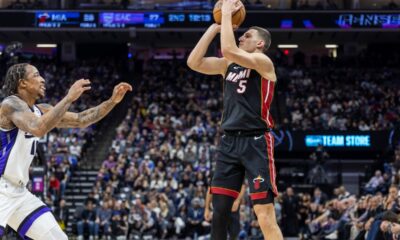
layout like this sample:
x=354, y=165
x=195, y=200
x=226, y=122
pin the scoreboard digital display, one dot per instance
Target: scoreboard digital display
x=119, y=19
x=276, y=20
x=66, y=20
x=126, y=19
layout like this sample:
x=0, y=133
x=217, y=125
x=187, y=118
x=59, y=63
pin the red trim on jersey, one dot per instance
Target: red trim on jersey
x=263, y=93
x=271, y=161
x=267, y=94
x=224, y=191
x=257, y=196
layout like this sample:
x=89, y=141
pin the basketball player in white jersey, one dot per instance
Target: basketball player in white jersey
x=22, y=123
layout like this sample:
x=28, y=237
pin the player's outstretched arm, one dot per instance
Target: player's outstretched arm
x=94, y=114
x=18, y=112
x=257, y=61
x=207, y=65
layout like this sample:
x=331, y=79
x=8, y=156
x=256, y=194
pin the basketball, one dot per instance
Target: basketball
x=237, y=18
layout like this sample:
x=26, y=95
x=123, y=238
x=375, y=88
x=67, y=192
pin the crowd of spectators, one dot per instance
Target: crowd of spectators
x=156, y=174
x=358, y=93
x=342, y=99
x=64, y=147
x=371, y=215
x=154, y=180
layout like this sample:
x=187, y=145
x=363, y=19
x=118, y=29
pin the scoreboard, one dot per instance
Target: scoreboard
x=120, y=19
x=66, y=20
x=275, y=20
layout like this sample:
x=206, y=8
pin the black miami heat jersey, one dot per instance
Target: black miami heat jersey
x=247, y=98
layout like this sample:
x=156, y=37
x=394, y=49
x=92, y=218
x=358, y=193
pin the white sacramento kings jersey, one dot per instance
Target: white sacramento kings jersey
x=18, y=148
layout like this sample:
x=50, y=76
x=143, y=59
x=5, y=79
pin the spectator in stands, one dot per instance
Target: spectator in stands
x=54, y=187
x=104, y=214
x=319, y=198
x=343, y=193
x=195, y=218
x=119, y=226
x=373, y=184
x=290, y=217
x=87, y=220
x=110, y=162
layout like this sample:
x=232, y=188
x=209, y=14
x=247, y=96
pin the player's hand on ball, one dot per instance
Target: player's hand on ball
x=235, y=8
x=231, y=6
x=120, y=91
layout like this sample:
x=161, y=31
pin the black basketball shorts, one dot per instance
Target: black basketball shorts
x=246, y=156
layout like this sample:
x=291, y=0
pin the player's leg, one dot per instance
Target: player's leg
x=260, y=172
x=222, y=205
x=234, y=225
x=225, y=186
x=10, y=198
x=6, y=210
x=267, y=221
x=34, y=220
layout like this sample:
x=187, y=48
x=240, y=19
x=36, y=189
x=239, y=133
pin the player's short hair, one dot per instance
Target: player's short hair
x=265, y=35
x=14, y=73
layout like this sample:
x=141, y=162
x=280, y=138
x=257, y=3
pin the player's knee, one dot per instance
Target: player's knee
x=222, y=205
x=266, y=213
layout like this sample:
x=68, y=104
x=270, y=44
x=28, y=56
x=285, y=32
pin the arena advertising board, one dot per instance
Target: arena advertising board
x=275, y=20
x=298, y=141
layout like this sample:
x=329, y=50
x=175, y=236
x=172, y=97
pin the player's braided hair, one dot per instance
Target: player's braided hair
x=14, y=74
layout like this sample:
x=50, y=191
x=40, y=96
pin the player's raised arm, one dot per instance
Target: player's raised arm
x=248, y=54
x=18, y=111
x=207, y=65
x=91, y=115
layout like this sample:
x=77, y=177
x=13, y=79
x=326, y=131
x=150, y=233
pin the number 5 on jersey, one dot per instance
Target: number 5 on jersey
x=242, y=86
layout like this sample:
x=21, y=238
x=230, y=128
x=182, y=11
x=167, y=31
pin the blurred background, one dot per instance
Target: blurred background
x=143, y=171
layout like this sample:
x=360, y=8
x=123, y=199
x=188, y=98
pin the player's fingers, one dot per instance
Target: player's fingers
x=126, y=85
x=83, y=82
x=119, y=85
x=128, y=88
x=86, y=88
x=237, y=7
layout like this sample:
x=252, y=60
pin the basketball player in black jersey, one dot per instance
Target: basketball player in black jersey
x=246, y=148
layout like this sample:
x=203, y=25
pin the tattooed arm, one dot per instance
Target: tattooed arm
x=82, y=119
x=17, y=111
x=91, y=115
